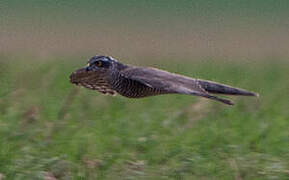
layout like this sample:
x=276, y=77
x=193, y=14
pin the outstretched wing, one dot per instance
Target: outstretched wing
x=168, y=82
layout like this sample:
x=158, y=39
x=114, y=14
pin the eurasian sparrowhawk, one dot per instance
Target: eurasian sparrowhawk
x=108, y=76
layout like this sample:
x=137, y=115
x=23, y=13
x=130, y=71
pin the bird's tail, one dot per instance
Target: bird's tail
x=216, y=88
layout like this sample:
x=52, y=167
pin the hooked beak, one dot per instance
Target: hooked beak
x=79, y=74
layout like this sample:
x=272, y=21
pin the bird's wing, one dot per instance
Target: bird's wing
x=160, y=79
x=168, y=82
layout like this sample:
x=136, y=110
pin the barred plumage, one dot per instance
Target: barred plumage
x=130, y=88
x=109, y=76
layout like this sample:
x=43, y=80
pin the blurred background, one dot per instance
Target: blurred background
x=133, y=29
x=50, y=129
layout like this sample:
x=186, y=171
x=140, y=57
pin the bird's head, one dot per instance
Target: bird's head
x=100, y=63
x=98, y=67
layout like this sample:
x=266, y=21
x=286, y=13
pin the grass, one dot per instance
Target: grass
x=51, y=129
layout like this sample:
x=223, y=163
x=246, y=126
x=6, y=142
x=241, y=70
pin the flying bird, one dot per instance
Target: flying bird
x=108, y=76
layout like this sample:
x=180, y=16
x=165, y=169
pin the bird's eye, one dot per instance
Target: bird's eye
x=98, y=63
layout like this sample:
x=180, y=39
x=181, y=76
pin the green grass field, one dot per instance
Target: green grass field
x=52, y=129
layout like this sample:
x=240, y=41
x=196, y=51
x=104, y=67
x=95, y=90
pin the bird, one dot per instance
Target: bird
x=109, y=76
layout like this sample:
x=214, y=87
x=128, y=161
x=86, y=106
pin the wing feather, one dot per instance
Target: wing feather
x=169, y=82
x=157, y=78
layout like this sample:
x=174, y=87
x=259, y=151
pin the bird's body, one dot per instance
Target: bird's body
x=109, y=76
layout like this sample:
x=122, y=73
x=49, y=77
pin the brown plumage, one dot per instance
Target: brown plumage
x=109, y=76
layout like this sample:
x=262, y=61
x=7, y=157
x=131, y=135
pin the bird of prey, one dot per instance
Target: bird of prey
x=108, y=76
